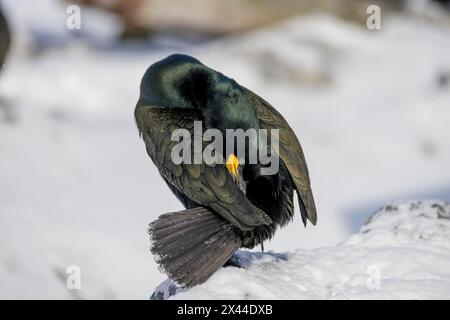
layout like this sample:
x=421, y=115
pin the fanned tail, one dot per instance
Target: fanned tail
x=192, y=244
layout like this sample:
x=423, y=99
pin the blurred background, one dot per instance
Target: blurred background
x=371, y=109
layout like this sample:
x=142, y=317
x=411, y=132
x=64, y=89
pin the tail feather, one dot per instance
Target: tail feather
x=169, y=219
x=193, y=253
x=203, y=256
x=171, y=235
x=214, y=263
x=191, y=245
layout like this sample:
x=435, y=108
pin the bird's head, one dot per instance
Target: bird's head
x=181, y=81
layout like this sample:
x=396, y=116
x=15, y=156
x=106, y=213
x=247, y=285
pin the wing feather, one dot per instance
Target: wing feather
x=208, y=185
x=290, y=151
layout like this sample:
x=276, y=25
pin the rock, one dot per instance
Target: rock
x=402, y=252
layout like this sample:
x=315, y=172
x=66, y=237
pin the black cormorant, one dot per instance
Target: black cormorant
x=221, y=215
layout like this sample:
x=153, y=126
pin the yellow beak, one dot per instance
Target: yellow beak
x=233, y=165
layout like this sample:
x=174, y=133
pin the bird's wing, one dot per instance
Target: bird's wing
x=208, y=185
x=290, y=152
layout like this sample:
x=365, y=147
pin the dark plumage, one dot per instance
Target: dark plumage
x=5, y=38
x=191, y=245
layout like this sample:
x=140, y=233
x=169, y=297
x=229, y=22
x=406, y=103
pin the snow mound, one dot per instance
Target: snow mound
x=402, y=252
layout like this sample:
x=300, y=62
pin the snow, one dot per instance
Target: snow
x=403, y=252
x=77, y=188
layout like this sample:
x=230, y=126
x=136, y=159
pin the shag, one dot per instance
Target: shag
x=221, y=215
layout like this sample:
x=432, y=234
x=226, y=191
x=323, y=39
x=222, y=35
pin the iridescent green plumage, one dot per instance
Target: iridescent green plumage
x=177, y=91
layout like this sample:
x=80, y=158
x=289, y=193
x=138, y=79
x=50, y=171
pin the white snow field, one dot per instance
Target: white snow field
x=403, y=252
x=371, y=109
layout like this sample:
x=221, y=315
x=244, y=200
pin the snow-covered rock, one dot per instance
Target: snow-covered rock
x=402, y=252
